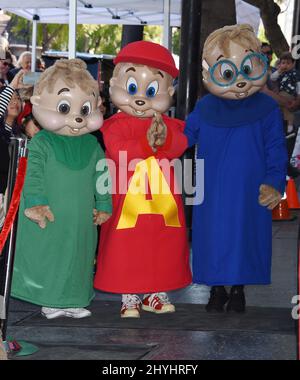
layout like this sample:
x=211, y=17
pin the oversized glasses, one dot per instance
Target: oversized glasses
x=253, y=67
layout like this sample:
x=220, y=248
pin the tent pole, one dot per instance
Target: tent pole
x=72, y=28
x=35, y=20
x=166, y=32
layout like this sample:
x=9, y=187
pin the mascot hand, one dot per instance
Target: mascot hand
x=100, y=217
x=157, y=133
x=269, y=196
x=39, y=215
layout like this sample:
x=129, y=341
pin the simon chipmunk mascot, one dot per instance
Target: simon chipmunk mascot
x=54, y=261
x=239, y=134
x=143, y=246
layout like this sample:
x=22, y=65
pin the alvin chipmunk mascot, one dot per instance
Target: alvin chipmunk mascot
x=143, y=247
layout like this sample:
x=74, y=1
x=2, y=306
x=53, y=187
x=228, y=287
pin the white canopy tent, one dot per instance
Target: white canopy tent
x=130, y=12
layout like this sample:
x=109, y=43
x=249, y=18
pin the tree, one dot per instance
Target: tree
x=153, y=33
x=176, y=41
x=269, y=12
x=99, y=39
x=214, y=16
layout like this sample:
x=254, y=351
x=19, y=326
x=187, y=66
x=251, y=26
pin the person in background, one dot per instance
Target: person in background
x=24, y=62
x=8, y=129
x=5, y=68
x=267, y=51
x=288, y=81
x=12, y=60
x=40, y=65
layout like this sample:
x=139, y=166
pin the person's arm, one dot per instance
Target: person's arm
x=5, y=97
x=294, y=105
x=274, y=76
x=275, y=152
x=35, y=193
x=115, y=142
x=176, y=142
x=281, y=100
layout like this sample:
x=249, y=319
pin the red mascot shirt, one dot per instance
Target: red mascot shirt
x=143, y=246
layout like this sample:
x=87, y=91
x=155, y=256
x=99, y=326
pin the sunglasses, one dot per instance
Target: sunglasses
x=4, y=63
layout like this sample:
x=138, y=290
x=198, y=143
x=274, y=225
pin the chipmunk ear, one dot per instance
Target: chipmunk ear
x=171, y=91
x=35, y=100
x=205, y=65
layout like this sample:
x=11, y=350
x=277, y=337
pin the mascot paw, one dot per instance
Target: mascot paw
x=269, y=197
x=39, y=215
x=157, y=133
x=100, y=217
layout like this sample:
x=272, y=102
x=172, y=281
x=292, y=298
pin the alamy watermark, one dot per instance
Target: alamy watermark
x=152, y=176
x=296, y=48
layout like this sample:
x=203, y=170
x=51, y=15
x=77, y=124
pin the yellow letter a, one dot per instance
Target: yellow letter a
x=162, y=202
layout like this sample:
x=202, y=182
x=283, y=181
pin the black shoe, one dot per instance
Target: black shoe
x=217, y=300
x=237, y=300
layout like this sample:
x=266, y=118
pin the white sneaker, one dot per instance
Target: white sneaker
x=157, y=303
x=51, y=312
x=78, y=312
x=131, y=306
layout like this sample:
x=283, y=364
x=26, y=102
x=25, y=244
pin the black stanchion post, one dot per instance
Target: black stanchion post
x=131, y=33
x=18, y=149
x=190, y=71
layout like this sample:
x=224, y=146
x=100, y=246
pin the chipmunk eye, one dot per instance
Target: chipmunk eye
x=152, y=89
x=63, y=107
x=131, y=86
x=86, y=109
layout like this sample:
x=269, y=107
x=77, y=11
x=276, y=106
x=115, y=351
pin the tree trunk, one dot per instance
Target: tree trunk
x=269, y=12
x=47, y=37
x=45, y=44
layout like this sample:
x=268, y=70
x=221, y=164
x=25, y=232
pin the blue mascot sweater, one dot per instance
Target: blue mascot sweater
x=243, y=146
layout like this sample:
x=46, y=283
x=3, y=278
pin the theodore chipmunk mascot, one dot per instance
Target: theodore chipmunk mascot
x=239, y=134
x=54, y=261
x=143, y=247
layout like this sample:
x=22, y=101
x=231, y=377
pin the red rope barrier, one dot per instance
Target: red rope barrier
x=298, y=304
x=14, y=204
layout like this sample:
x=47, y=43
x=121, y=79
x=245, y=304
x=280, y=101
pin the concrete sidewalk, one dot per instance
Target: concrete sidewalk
x=266, y=331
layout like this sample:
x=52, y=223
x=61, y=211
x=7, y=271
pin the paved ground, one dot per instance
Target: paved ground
x=266, y=331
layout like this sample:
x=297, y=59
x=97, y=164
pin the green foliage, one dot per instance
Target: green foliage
x=95, y=39
x=104, y=39
x=153, y=33
x=176, y=41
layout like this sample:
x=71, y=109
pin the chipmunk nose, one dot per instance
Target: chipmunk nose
x=140, y=102
x=79, y=120
x=241, y=84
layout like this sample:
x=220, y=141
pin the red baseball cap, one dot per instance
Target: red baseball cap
x=150, y=54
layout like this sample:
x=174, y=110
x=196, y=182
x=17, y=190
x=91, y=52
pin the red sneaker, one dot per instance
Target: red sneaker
x=131, y=306
x=158, y=303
